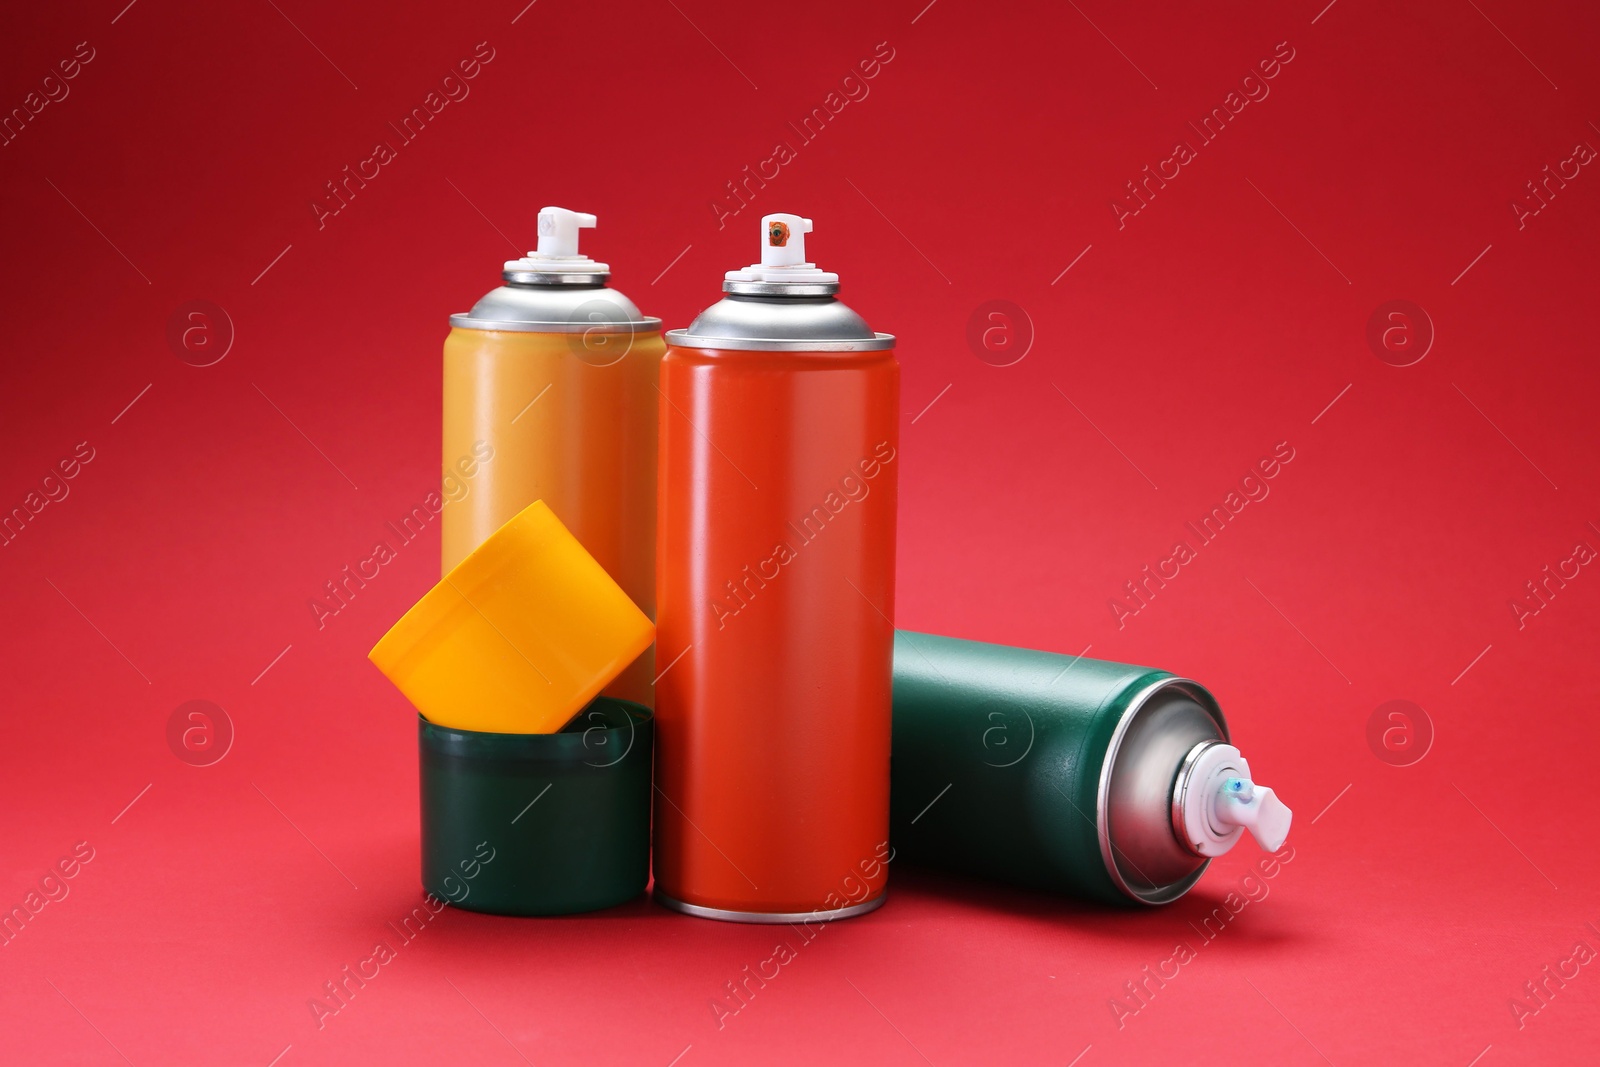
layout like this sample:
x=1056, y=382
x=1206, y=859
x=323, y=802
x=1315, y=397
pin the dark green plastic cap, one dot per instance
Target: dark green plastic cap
x=539, y=824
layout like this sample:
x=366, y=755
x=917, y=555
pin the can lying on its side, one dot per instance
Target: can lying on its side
x=1066, y=774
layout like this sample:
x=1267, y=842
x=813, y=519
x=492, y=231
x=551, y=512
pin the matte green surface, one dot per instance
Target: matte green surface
x=539, y=824
x=1019, y=738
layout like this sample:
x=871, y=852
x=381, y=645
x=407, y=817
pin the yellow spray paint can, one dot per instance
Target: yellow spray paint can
x=550, y=394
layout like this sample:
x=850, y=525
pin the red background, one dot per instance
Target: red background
x=1222, y=319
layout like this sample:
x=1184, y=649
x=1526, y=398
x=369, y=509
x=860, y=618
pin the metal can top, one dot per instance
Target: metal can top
x=783, y=303
x=555, y=306
x=1158, y=729
x=554, y=289
x=779, y=324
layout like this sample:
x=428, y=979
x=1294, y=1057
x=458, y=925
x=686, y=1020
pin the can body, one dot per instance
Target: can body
x=1045, y=771
x=776, y=548
x=568, y=419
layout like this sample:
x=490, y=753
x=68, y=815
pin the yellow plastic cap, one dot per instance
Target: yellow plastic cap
x=518, y=637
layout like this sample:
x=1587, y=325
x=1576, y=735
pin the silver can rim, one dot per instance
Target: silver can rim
x=685, y=339
x=586, y=279
x=1202, y=697
x=465, y=321
x=769, y=917
x=781, y=288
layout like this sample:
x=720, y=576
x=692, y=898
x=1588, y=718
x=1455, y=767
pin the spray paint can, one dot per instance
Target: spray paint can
x=779, y=428
x=1065, y=774
x=550, y=394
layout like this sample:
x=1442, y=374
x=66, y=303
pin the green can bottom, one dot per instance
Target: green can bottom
x=539, y=824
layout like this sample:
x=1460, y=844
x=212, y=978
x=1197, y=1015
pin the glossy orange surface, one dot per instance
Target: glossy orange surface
x=776, y=551
x=546, y=416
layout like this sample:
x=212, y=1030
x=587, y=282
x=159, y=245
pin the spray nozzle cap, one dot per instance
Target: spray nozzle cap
x=1214, y=801
x=558, y=245
x=558, y=231
x=783, y=255
x=1240, y=802
x=783, y=242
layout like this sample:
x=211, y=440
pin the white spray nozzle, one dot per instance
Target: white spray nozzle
x=783, y=243
x=1240, y=802
x=558, y=231
x=1214, y=801
x=783, y=254
x=558, y=245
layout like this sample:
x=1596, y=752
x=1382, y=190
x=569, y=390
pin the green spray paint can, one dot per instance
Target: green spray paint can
x=1065, y=774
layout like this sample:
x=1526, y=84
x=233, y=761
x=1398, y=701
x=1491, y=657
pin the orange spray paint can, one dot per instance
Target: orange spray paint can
x=775, y=595
x=550, y=394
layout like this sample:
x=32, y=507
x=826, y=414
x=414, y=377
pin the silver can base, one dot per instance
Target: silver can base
x=770, y=917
